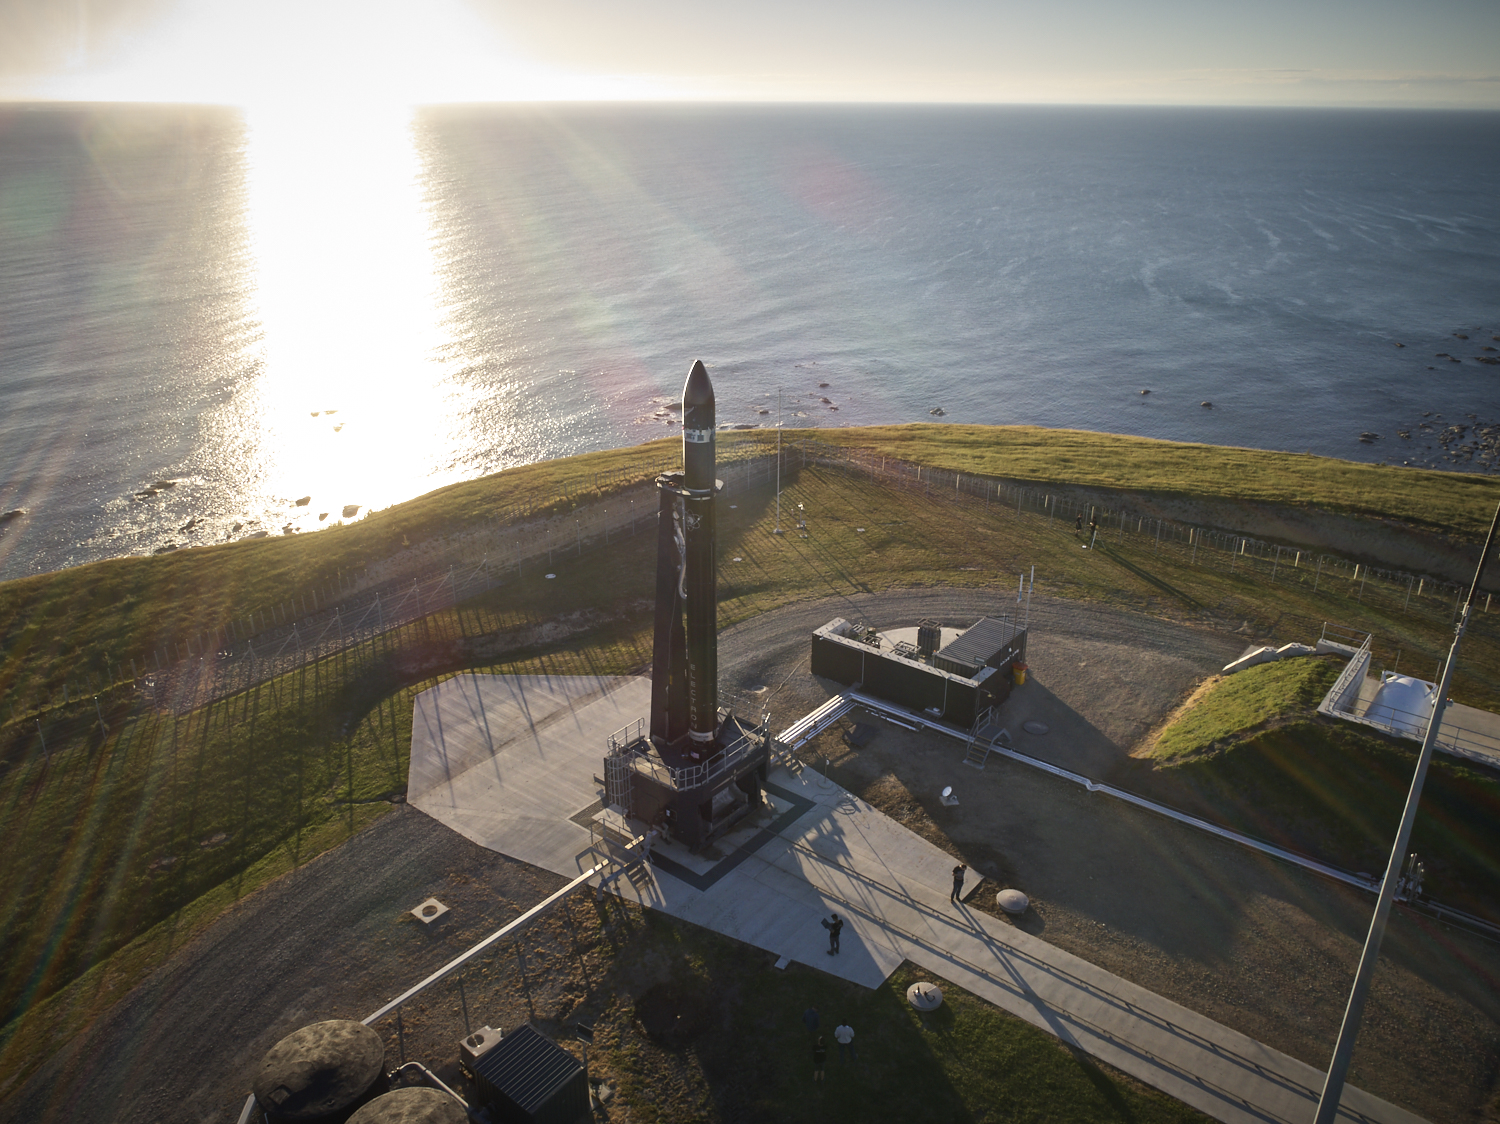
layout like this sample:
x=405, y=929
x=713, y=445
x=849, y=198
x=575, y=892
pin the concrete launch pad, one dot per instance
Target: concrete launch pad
x=508, y=762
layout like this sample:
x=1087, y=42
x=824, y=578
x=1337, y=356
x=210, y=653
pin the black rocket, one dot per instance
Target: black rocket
x=685, y=664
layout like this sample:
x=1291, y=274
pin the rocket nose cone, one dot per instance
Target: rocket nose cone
x=698, y=391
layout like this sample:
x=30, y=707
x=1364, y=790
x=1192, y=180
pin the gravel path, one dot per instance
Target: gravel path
x=329, y=940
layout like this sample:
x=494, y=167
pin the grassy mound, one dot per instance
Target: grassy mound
x=1253, y=754
x=1247, y=701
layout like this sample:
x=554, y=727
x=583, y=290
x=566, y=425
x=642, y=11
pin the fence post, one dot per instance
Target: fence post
x=1364, y=577
x=1318, y=576
x=1407, y=602
x=1276, y=564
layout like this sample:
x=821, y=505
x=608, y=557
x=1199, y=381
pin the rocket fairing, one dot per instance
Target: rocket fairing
x=685, y=664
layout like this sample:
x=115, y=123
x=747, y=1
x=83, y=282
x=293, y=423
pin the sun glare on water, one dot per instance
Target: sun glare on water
x=350, y=406
x=351, y=402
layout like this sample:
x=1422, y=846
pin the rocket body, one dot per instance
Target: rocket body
x=700, y=533
x=685, y=672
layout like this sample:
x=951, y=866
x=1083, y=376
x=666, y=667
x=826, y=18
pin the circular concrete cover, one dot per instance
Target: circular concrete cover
x=1035, y=727
x=1012, y=901
x=925, y=996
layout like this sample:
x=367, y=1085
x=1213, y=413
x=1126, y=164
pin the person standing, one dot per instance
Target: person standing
x=834, y=927
x=820, y=1058
x=844, y=1035
x=810, y=1020
x=957, y=894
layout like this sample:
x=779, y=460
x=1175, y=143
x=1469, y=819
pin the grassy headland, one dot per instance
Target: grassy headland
x=136, y=835
x=91, y=620
x=1450, y=503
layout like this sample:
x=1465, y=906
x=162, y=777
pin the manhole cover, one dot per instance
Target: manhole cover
x=1035, y=727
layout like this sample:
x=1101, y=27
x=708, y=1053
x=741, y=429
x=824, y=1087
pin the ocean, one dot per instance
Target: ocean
x=207, y=316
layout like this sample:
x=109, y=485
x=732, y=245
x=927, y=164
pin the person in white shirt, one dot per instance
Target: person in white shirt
x=844, y=1035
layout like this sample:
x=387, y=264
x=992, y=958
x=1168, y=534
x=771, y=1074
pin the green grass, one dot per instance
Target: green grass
x=1335, y=791
x=91, y=619
x=967, y=1061
x=1246, y=701
x=1252, y=753
x=1459, y=504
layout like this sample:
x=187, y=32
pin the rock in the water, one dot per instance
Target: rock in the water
x=1207, y=405
x=189, y=525
x=9, y=516
x=938, y=412
x=1400, y=345
x=1460, y=335
x=304, y=501
x=171, y=546
x=824, y=385
x=1145, y=392
x=164, y=483
x=351, y=510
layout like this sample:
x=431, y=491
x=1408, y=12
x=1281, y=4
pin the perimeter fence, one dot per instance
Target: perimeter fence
x=380, y=602
x=1392, y=591
x=596, y=512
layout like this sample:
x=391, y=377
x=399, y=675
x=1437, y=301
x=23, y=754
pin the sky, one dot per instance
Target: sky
x=1406, y=53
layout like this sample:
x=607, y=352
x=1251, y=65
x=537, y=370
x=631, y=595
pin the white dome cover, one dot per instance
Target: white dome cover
x=1404, y=704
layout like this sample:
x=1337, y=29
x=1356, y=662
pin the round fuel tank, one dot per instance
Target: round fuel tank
x=321, y=1073
x=411, y=1106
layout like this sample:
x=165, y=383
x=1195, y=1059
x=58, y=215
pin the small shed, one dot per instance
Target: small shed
x=528, y=1079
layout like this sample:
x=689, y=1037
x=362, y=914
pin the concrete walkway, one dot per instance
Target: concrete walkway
x=513, y=784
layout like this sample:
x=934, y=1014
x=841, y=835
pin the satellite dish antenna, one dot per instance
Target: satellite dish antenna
x=947, y=792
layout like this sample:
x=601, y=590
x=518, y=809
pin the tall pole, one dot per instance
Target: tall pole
x=1343, y=1050
x=778, y=530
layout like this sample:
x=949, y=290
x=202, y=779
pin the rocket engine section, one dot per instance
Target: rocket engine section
x=684, y=691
